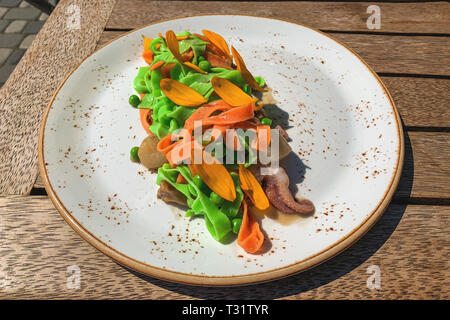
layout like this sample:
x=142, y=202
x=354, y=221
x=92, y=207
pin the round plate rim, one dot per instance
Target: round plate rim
x=253, y=278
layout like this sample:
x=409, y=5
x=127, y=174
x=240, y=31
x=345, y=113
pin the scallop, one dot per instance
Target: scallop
x=149, y=155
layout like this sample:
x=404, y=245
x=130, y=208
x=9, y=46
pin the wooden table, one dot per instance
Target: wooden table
x=410, y=244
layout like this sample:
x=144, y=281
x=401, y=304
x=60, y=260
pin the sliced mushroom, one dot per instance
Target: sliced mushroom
x=169, y=194
x=148, y=154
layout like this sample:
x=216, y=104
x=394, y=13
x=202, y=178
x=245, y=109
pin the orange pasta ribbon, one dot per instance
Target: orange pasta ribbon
x=144, y=116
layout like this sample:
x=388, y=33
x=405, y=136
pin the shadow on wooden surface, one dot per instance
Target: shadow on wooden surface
x=318, y=276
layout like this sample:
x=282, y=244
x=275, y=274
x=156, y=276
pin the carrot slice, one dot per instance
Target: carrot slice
x=216, y=176
x=252, y=188
x=263, y=137
x=230, y=92
x=181, y=94
x=148, y=57
x=234, y=115
x=181, y=179
x=216, y=61
x=144, y=115
x=244, y=71
x=188, y=55
x=250, y=237
x=205, y=111
x=165, y=70
x=157, y=65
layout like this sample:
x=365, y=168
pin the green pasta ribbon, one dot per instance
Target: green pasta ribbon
x=217, y=217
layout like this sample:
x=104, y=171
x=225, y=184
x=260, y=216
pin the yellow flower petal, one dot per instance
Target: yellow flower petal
x=252, y=188
x=216, y=177
x=193, y=66
x=181, y=94
x=172, y=44
x=248, y=78
x=219, y=42
x=147, y=42
x=230, y=93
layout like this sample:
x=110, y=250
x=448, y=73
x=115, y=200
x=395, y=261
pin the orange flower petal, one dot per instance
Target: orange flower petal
x=172, y=44
x=244, y=71
x=230, y=93
x=193, y=66
x=147, y=42
x=219, y=42
x=181, y=94
x=157, y=65
x=252, y=188
x=216, y=177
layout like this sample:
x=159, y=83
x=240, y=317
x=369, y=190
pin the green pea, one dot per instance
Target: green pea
x=236, y=225
x=134, y=154
x=201, y=58
x=134, y=100
x=204, y=65
x=215, y=198
x=260, y=81
x=266, y=121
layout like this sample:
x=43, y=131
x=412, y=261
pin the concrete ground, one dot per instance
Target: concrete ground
x=19, y=24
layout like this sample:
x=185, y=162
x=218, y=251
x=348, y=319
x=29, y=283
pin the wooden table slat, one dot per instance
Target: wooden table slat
x=385, y=53
x=33, y=235
x=342, y=16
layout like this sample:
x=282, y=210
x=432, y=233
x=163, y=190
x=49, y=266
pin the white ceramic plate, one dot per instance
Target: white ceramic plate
x=343, y=123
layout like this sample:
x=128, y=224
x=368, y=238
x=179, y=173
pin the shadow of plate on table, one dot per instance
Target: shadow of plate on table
x=319, y=275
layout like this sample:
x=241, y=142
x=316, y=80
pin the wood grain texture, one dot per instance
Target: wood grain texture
x=409, y=244
x=422, y=102
x=342, y=16
x=29, y=88
x=385, y=53
x=426, y=167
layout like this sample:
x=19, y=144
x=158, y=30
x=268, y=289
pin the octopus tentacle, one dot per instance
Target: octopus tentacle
x=277, y=190
x=272, y=195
